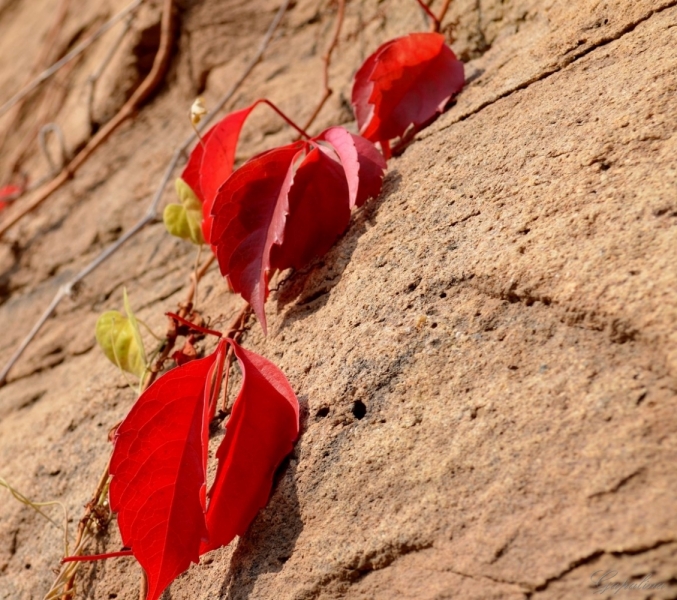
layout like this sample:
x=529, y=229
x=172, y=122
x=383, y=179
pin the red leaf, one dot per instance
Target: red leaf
x=212, y=160
x=159, y=463
x=249, y=214
x=363, y=164
x=319, y=211
x=407, y=81
x=260, y=432
x=191, y=172
x=158, y=470
x=286, y=206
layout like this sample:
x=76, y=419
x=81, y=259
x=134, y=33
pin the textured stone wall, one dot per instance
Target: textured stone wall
x=487, y=360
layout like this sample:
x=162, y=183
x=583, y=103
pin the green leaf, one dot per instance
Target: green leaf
x=184, y=220
x=120, y=339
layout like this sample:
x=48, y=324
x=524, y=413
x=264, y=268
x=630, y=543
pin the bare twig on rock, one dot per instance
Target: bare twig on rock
x=94, y=77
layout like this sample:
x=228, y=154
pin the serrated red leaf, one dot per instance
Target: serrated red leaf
x=286, y=206
x=407, y=81
x=212, y=160
x=158, y=470
x=318, y=211
x=363, y=164
x=249, y=215
x=261, y=431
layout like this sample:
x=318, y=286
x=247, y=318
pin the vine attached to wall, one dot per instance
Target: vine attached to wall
x=280, y=210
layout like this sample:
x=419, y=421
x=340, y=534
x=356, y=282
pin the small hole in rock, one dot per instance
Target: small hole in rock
x=359, y=409
x=323, y=412
x=433, y=325
x=443, y=295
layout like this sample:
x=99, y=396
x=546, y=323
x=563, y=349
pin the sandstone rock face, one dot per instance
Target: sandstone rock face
x=487, y=360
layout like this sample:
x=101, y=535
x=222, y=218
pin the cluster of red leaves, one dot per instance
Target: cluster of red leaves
x=281, y=209
x=159, y=466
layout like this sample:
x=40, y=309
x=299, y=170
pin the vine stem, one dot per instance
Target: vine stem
x=326, y=58
x=285, y=118
x=151, y=213
x=435, y=26
x=65, y=579
x=93, y=557
x=147, y=87
x=443, y=13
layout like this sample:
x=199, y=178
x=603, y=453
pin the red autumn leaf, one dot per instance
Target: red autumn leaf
x=363, y=163
x=249, y=215
x=407, y=81
x=212, y=160
x=318, y=211
x=159, y=463
x=260, y=432
x=286, y=206
x=159, y=472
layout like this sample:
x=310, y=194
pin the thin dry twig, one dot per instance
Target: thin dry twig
x=79, y=49
x=38, y=506
x=326, y=58
x=151, y=214
x=147, y=87
x=96, y=509
x=43, y=113
x=42, y=140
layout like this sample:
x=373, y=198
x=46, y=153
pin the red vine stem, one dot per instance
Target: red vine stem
x=340, y=14
x=443, y=12
x=284, y=117
x=435, y=21
x=93, y=557
x=234, y=332
x=193, y=326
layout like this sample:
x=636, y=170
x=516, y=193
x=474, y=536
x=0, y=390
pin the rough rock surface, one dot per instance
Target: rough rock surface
x=487, y=360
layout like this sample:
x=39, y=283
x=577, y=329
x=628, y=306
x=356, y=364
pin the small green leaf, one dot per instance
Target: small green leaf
x=184, y=220
x=120, y=339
